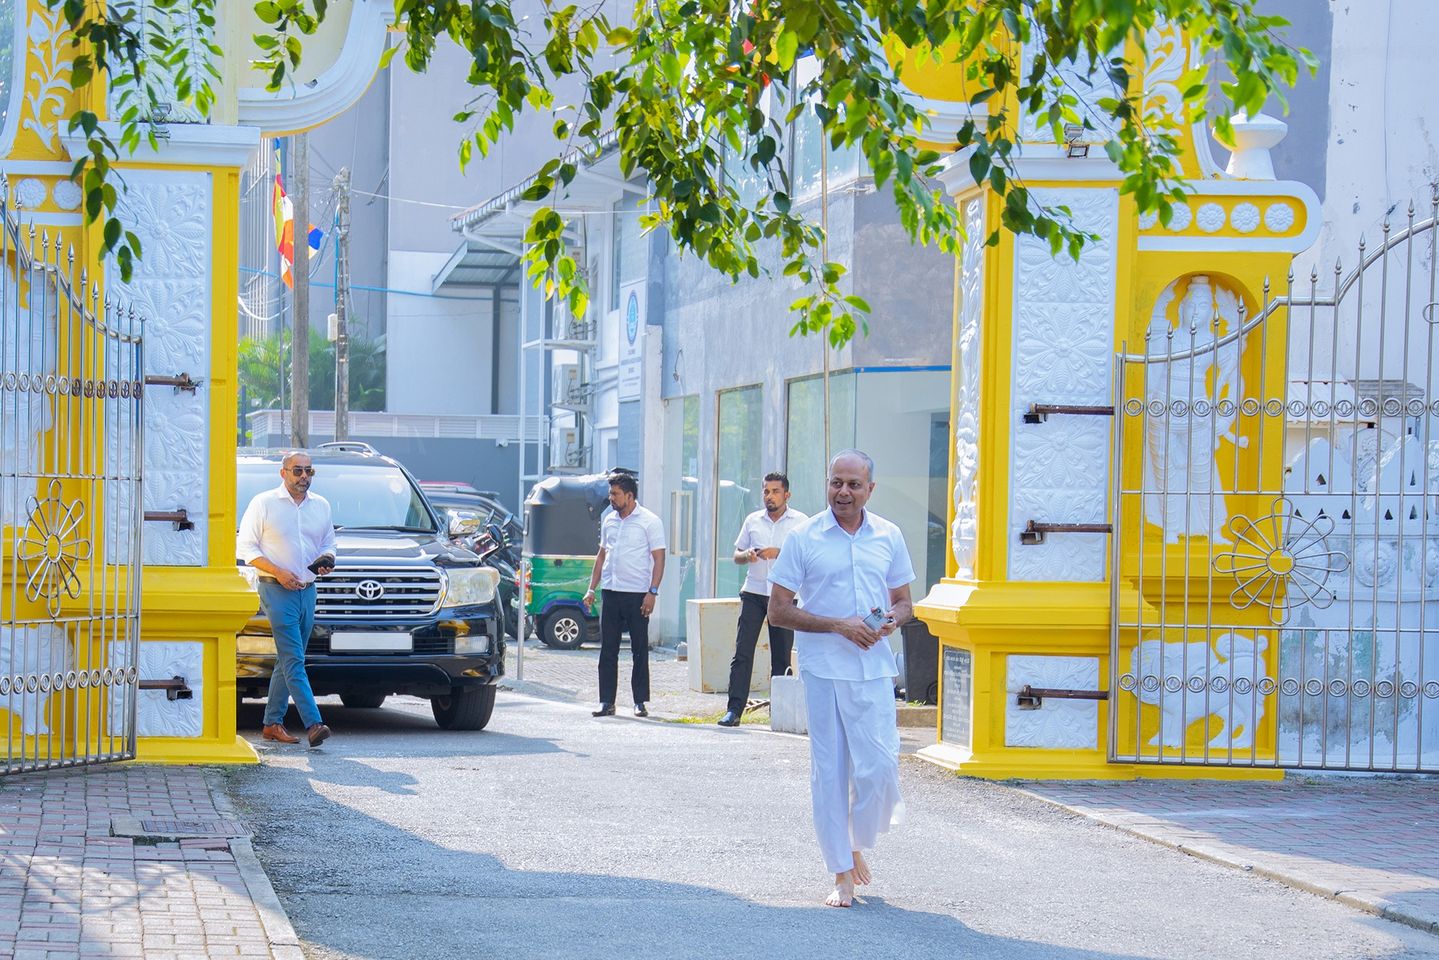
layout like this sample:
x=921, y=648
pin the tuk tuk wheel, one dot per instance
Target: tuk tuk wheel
x=564, y=629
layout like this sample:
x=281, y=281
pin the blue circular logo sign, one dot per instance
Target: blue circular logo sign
x=632, y=318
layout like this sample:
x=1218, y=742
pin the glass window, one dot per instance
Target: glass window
x=629, y=261
x=900, y=417
x=739, y=471
x=804, y=435
x=902, y=421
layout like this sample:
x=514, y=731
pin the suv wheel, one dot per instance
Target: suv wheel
x=564, y=629
x=363, y=701
x=466, y=708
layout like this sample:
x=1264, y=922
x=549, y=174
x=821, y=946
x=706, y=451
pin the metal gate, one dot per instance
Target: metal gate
x=70, y=461
x=1276, y=519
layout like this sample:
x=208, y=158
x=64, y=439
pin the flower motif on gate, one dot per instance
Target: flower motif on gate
x=52, y=548
x=1280, y=560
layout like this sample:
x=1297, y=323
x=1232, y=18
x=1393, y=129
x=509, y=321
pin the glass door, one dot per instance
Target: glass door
x=681, y=482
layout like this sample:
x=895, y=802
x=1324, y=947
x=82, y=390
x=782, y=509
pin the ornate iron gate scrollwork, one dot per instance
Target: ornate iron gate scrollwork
x=1276, y=547
x=71, y=387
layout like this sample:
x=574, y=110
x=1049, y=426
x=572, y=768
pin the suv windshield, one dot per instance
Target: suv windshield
x=372, y=496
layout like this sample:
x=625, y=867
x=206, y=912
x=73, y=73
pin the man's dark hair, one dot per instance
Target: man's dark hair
x=626, y=482
x=776, y=475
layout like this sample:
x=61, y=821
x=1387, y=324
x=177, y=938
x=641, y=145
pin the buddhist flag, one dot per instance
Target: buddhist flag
x=285, y=229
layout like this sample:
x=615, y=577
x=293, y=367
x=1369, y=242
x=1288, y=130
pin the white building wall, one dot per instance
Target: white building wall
x=439, y=349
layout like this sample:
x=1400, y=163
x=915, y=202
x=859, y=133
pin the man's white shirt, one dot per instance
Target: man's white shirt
x=629, y=544
x=288, y=534
x=835, y=574
x=759, y=531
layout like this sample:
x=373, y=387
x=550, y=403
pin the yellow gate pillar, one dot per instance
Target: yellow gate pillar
x=1031, y=590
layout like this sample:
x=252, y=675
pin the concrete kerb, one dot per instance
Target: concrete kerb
x=284, y=941
x=1226, y=857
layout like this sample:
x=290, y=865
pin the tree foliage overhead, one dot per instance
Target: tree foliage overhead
x=693, y=88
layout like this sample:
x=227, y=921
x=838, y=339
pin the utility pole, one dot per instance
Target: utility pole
x=342, y=303
x=300, y=320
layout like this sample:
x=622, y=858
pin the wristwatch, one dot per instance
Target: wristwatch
x=655, y=591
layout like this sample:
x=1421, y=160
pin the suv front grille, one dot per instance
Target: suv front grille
x=376, y=593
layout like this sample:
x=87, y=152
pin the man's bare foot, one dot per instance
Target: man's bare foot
x=843, y=893
x=861, y=869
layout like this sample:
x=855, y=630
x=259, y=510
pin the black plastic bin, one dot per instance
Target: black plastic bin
x=921, y=662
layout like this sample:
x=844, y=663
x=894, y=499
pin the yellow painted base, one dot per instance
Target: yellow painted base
x=177, y=750
x=1029, y=764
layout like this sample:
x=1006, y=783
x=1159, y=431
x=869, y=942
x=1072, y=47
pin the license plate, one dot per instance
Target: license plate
x=371, y=642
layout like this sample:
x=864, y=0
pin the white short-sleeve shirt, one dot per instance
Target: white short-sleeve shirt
x=288, y=534
x=760, y=531
x=836, y=574
x=629, y=544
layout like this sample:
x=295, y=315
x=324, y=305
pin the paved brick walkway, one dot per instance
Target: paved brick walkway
x=69, y=888
x=1368, y=842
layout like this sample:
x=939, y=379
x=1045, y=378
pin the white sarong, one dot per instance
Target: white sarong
x=854, y=764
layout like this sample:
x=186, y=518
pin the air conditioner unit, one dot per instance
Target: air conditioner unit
x=568, y=450
x=579, y=329
x=569, y=387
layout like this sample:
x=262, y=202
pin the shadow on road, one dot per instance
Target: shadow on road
x=383, y=870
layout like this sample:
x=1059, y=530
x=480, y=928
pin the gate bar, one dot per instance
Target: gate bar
x=1032, y=698
x=1035, y=531
x=1039, y=412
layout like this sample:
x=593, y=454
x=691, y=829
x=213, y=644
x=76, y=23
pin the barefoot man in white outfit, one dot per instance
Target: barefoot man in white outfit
x=844, y=565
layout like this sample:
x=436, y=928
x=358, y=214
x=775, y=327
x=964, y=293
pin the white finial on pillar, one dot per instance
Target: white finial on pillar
x=1254, y=137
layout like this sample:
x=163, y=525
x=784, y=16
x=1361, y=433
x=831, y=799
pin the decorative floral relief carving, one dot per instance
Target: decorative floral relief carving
x=156, y=715
x=965, y=533
x=1278, y=217
x=1063, y=345
x=171, y=215
x=32, y=650
x=1057, y=724
x=1181, y=217
x=49, y=50
x=1162, y=105
x=30, y=193
x=67, y=195
x=1210, y=218
x=1148, y=220
x=1086, y=81
x=1245, y=217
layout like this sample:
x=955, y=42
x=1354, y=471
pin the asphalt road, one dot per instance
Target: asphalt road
x=555, y=834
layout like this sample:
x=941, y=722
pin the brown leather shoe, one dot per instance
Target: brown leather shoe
x=317, y=734
x=277, y=731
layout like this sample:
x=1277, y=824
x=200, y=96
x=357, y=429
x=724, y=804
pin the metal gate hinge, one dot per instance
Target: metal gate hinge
x=1039, y=412
x=180, y=518
x=175, y=688
x=180, y=381
x=1032, y=698
x=1035, y=531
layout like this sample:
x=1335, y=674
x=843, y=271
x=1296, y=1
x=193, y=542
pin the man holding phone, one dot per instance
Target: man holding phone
x=760, y=540
x=287, y=534
x=851, y=570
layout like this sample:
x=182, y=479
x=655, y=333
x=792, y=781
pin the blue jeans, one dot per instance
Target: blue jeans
x=292, y=616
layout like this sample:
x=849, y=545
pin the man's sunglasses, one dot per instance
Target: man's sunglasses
x=302, y=471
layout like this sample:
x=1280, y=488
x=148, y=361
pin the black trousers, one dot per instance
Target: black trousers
x=752, y=611
x=620, y=611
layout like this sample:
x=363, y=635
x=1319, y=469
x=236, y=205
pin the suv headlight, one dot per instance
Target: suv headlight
x=470, y=585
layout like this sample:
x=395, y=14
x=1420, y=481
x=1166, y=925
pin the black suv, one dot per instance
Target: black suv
x=405, y=610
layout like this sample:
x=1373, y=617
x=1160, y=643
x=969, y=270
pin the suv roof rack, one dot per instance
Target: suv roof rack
x=348, y=446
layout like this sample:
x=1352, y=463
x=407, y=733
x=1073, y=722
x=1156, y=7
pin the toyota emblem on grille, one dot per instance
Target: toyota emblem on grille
x=369, y=590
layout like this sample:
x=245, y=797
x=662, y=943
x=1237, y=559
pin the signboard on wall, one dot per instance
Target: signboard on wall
x=632, y=338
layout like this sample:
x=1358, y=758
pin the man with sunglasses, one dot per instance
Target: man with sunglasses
x=288, y=536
